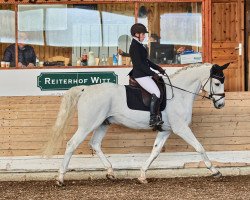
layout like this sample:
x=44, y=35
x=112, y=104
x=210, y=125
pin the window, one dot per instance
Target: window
x=73, y=30
x=91, y=34
x=175, y=31
x=7, y=30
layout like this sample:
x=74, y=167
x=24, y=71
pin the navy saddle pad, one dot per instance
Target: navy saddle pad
x=135, y=101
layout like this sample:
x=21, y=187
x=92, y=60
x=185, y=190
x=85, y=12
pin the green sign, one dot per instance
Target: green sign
x=66, y=80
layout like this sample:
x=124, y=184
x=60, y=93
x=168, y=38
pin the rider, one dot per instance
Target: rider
x=142, y=72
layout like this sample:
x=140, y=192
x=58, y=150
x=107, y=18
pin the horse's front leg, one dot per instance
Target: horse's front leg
x=158, y=144
x=185, y=132
x=95, y=143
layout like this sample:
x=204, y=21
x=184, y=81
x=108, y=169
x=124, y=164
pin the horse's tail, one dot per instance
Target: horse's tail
x=64, y=117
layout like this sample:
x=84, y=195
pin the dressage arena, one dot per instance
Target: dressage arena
x=203, y=188
x=224, y=133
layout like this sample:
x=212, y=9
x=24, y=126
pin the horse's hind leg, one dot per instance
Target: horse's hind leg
x=186, y=133
x=158, y=144
x=95, y=143
x=72, y=144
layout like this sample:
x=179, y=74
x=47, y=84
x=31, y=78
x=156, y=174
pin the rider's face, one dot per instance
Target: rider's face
x=141, y=36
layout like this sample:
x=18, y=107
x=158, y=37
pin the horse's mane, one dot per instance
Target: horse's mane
x=189, y=67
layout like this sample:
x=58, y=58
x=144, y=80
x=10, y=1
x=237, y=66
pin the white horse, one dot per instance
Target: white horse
x=102, y=103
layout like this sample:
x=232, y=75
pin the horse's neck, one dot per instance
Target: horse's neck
x=190, y=78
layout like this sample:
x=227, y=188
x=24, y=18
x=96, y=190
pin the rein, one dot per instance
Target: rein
x=210, y=97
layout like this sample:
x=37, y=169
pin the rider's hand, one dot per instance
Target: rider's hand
x=156, y=77
x=162, y=71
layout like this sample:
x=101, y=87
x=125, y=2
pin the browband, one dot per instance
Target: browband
x=220, y=78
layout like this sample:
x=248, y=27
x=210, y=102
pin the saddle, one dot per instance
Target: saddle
x=139, y=99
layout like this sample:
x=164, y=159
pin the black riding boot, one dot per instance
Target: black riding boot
x=154, y=106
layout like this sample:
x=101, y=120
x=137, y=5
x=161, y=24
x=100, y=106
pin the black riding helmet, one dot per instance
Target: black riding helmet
x=138, y=28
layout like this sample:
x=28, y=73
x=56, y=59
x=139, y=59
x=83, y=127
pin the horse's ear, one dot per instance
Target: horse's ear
x=225, y=66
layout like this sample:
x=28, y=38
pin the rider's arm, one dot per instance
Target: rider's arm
x=154, y=66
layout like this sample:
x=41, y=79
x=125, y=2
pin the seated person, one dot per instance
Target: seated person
x=26, y=53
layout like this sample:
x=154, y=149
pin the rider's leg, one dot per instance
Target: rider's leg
x=149, y=85
x=155, y=120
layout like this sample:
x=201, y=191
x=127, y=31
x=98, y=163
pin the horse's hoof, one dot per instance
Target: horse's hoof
x=110, y=177
x=142, y=181
x=59, y=183
x=217, y=175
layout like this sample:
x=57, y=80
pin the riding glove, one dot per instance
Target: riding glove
x=162, y=71
x=156, y=77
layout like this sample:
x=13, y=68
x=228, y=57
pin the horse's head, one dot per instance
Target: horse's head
x=215, y=85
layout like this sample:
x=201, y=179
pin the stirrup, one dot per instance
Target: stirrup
x=155, y=121
x=160, y=123
x=152, y=121
x=158, y=128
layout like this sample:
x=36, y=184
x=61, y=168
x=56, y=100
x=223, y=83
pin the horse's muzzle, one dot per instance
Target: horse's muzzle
x=219, y=105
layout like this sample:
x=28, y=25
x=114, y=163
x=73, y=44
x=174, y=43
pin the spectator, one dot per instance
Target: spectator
x=26, y=53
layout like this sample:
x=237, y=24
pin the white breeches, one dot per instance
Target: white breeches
x=148, y=84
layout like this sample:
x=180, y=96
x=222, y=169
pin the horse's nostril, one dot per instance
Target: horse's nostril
x=220, y=105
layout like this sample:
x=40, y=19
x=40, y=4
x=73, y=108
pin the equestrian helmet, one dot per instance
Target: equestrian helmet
x=138, y=28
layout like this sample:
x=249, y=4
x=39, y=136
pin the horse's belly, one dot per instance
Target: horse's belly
x=132, y=119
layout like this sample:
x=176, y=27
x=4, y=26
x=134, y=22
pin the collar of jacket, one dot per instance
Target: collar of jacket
x=139, y=42
x=136, y=39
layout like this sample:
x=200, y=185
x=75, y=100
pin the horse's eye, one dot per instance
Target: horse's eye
x=217, y=84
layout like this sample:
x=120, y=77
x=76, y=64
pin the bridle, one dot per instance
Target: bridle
x=222, y=95
x=210, y=96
